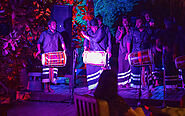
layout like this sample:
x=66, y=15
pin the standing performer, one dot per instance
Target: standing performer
x=49, y=42
x=96, y=40
x=106, y=28
x=140, y=37
x=122, y=35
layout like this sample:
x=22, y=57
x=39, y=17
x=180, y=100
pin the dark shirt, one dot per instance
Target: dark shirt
x=49, y=40
x=123, y=41
x=98, y=40
x=118, y=34
x=140, y=40
x=107, y=31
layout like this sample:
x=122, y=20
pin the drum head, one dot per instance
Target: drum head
x=43, y=59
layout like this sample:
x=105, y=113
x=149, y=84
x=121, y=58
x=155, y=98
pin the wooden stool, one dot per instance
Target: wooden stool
x=35, y=84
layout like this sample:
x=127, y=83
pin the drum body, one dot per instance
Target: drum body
x=54, y=59
x=180, y=62
x=141, y=58
x=96, y=58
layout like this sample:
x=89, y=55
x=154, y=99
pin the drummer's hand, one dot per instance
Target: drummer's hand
x=35, y=55
x=120, y=29
x=83, y=33
x=109, y=54
x=158, y=49
x=85, y=49
x=86, y=36
x=66, y=52
x=126, y=57
x=83, y=54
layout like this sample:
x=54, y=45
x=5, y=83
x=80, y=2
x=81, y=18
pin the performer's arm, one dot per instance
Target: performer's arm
x=157, y=44
x=86, y=45
x=129, y=41
x=39, y=50
x=86, y=36
x=85, y=48
x=98, y=36
x=62, y=42
x=39, y=44
x=63, y=46
x=109, y=42
x=109, y=52
x=119, y=34
x=128, y=50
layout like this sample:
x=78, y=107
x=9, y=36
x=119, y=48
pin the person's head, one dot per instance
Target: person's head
x=139, y=22
x=107, y=86
x=147, y=16
x=100, y=19
x=168, y=22
x=125, y=21
x=52, y=24
x=94, y=24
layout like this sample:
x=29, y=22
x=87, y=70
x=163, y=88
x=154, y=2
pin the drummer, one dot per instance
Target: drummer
x=95, y=40
x=48, y=42
x=140, y=38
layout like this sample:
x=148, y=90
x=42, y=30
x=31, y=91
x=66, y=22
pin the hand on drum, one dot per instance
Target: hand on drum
x=83, y=54
x=36, y=54
x=126, y=57
x=109, y=54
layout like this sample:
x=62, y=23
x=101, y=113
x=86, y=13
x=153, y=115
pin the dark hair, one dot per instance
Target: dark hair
x=140, y=17
x=94, y=22
x=99, y=17
x=51, y=20
x=145, y=12
x=124, y=17
x=107, y=89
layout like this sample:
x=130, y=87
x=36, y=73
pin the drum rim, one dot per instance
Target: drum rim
x=177, y=59
x=43, y=60
x=150, y=53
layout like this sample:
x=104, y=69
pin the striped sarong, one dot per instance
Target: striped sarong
x=124, y=78
x=93, y=74
x=135, y=77
x=49, y=75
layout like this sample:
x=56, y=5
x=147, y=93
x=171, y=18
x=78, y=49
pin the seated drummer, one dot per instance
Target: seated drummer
x=49, y=42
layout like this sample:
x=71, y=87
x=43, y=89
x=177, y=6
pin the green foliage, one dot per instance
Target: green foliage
x=111, y=9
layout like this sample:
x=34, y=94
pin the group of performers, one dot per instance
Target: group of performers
x=98, y=38
x=128, y=38
x=143, y=36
